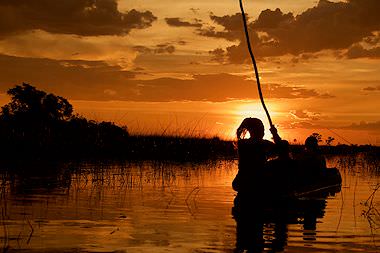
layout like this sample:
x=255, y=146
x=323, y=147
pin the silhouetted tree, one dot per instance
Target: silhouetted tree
x=317, y=136
x=329, y=140
x=31, y=104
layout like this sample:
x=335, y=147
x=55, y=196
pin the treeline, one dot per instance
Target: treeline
x=37, y=125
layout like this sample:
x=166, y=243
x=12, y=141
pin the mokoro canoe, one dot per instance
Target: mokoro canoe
x=297, y=183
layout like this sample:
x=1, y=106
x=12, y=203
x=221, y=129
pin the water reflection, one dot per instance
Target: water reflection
x=39, y=180
x=262, y=221
x=155, y=207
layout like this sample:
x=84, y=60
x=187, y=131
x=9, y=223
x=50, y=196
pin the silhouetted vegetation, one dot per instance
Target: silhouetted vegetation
x=38, y=125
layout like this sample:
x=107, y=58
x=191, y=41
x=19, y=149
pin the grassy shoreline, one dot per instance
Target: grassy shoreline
x=158, y=148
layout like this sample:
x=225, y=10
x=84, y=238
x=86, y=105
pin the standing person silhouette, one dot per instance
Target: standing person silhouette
x=253, y=153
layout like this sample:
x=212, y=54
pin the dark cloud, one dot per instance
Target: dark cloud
x=179, y=22
x=218, y=55
x=232, y=27
x=158, y=49
x=328, y=25
x=96, y=80
x=164, y=48
x=195, y=10
x=233, y=31
x=81, y=17
x=269, y=19
x=372, y=89
x=182, y=42
x=142, y=49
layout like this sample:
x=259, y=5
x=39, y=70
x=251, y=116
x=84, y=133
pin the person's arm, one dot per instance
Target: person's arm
x=239, y=131
x=276, y=137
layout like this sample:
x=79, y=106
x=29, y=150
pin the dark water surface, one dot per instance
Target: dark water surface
x=152, y=207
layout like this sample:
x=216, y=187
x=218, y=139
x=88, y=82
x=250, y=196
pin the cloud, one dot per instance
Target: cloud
x=302, y=124
x=68, y=47
x=372, y=89
x=182, y=42
x=165, y=48
x=142, y=49
x=179, y=23
x=358, y=51
x=109, y=92
x=369, y=126
x=304, y=115
x=328, y=25
x=218, y=55
x=290, y=92
x=80, y=17
x=73, y=79
x=216, y=88
x=232, y=27
x=97, y=80
x=303, y=57
x=373, y=39
x=195, y=10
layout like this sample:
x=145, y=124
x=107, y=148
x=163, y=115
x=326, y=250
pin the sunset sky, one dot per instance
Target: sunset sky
x=182, y=67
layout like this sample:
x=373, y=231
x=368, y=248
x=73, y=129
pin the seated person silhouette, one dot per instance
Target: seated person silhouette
x=311, y=164
x=253, y=153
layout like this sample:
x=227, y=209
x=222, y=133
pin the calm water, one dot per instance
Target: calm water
x=172, y=208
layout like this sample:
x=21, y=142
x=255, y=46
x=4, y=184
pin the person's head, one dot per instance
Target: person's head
x=311, y=143
x=254, y=126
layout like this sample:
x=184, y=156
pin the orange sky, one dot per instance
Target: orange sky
x=182, y=67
